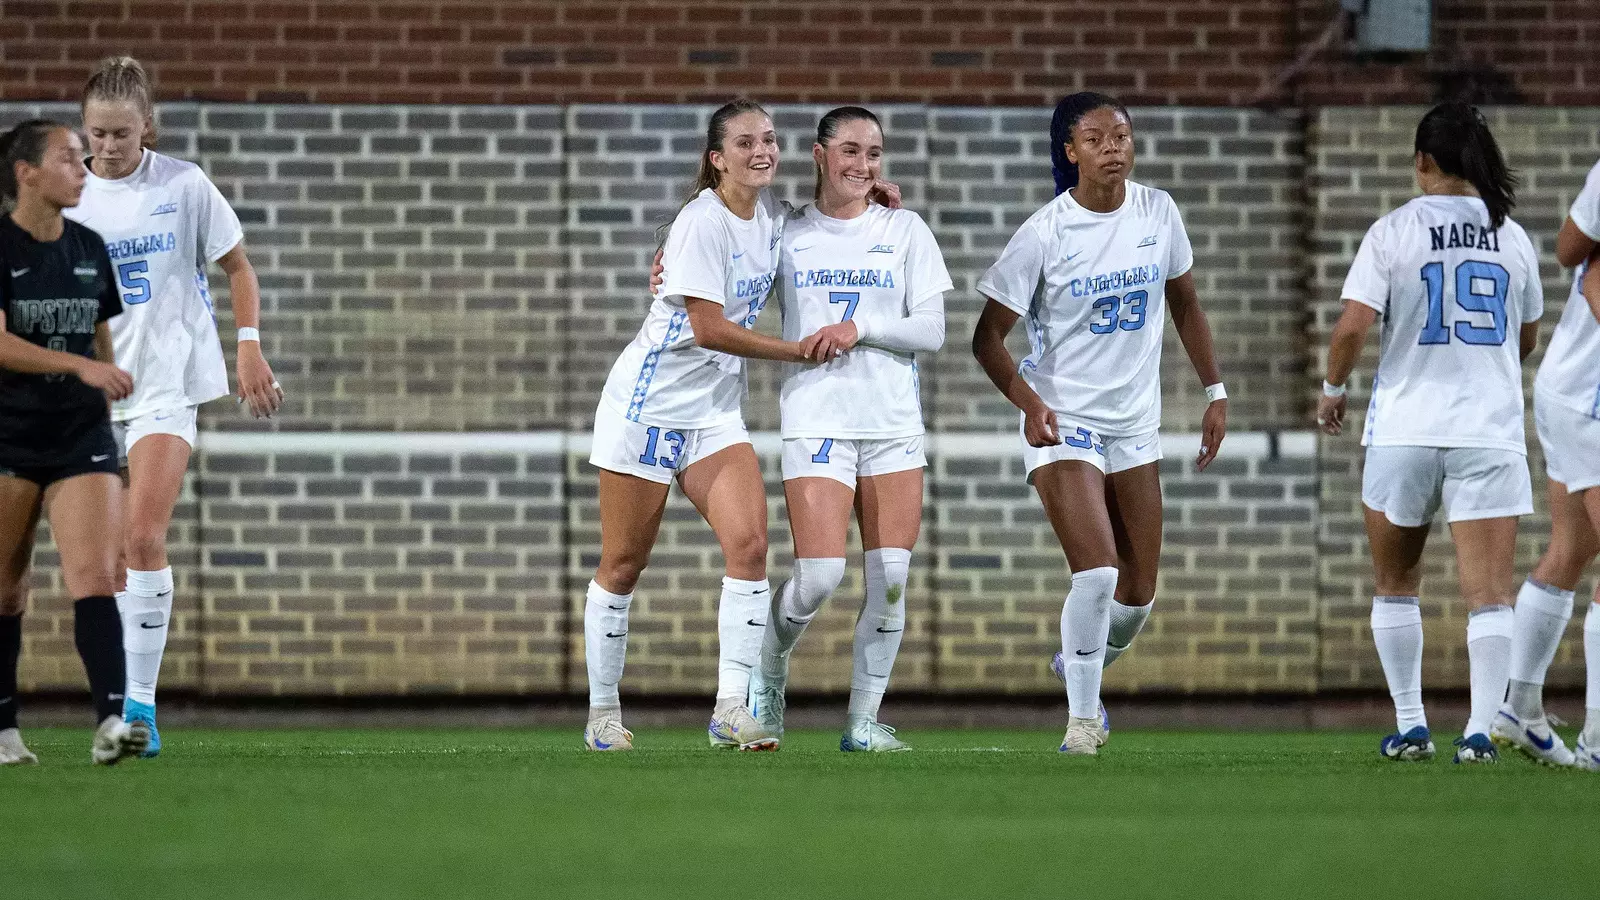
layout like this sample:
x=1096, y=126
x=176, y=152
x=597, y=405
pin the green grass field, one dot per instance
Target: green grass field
x=524, y=813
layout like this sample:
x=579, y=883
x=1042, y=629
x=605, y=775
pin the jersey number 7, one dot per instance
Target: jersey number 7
x=850, y=298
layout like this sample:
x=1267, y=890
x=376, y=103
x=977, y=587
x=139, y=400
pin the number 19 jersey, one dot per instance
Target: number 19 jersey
x=1092, y=287
x=1452, y=292
x=875, y=268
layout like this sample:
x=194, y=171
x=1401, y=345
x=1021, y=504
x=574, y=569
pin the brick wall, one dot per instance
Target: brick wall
x=950, y=52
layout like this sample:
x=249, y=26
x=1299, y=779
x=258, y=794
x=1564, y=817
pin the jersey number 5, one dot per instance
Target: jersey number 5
x=132, y=275
x=1470, y=275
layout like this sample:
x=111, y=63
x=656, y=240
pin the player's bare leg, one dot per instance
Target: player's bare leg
x=19, y=515
x=1397, y=630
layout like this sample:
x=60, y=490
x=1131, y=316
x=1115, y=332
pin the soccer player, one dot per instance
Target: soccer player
x=1450, y=273
x=671, y=409
x=1566, y=415
x=163, y=222
x=861, y=277
x=57, y=291
x=1093, y=272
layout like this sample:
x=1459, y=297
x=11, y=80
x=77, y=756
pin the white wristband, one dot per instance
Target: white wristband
x=249, y=334
x=1334, y=390
x=1215, y=392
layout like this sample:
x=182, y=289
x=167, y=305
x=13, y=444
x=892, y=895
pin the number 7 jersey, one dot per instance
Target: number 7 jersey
x=1453, y=293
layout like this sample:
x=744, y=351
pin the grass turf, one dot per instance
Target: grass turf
x=524, y=813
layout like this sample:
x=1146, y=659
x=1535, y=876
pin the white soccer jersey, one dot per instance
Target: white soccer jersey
x=1452, y=293
x=874, y=269
x=1570, y=373
x=662, y=378
x=1093, y=288
x=163, y=224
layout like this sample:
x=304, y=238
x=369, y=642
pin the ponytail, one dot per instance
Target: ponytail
x=1456, y=135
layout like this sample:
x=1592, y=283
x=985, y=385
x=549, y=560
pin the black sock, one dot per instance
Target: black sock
x=10, y=650
x=98, y=629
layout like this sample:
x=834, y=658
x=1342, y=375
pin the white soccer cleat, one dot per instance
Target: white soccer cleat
x=605, y=731
x=865, y=735
x=1058, y=665
x=116, y=740
x=767, y=702
x=13, y=752
x=1587, y=759
x=735, y=728
x=1533, y=738
x=1084, y=736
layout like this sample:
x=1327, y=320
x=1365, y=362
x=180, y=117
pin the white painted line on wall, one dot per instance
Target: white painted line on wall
x=1249, y=445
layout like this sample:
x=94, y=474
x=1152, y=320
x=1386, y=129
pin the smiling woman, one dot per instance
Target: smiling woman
x=57, y=291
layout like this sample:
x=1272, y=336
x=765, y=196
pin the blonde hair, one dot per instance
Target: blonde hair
x=120, y=79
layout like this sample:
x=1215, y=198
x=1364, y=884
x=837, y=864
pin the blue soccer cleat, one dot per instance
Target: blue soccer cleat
x=1416, y=744
x=134, y=711
x=1476, y=748
x=1058, y=665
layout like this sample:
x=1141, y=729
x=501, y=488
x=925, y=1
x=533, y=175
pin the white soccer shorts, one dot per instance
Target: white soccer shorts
x=1571, y=442
x=654, y=452
x=1410, y=484
x=846, y=460
x=180, y=421
x=1108, y=454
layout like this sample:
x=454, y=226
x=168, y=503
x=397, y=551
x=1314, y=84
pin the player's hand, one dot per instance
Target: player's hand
x=829, y=342
x=257, y=388
x=885, y=193
x=106, y=377
x=1039, y=426
x=1213, y=428
x=657, y=273
x=1330, y=413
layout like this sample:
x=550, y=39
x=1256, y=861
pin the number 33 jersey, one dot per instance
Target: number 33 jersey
x=162, y=225
x=1453, y=294
x=1092, y=288
x=874, y=270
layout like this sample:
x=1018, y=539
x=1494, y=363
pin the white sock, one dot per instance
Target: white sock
x=1397, y=630
x=1489, y=631
x=879, y=629
x=1591, y=662
x=1085, y=622
x=741, y=621
x=813, y=582
x=1541, y=616
x=146, y=609
x=605, y=644
x=1125, y=624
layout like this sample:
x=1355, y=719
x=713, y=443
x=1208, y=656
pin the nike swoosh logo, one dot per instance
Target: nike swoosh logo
x=910, y=450
x=754, y=624
x=617, y=634
x=101, y=458
x=890, y=630
x=609, y=606
x=162, y=418
x=148, y=625
x=1084, y=652
x=601, y=745
x=794, y=621
x=737, y=255
x=1074, y=256
x=18, y=273
x=862, y=744
x=1144, y=445
x=164, y=594
x=1546, y=744
x=804, y=249
x=761, y=591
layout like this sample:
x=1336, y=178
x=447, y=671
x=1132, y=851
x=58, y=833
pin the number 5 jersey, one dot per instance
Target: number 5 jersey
x=162, y=225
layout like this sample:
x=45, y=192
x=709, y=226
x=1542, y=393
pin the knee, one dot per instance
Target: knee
x=816, y=579
x=146, y=547
x=746, y=552
x=1135, y=589
x=1561, y=566
x=620, y=574
x=13, y=596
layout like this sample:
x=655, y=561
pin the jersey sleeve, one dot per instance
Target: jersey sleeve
x=1014, y=277
x=1585, y=211
x=1180, y=253
x=1367, y=282
x=696, y=257
x=218, y=227
x=1531, y=303
x=925, y=268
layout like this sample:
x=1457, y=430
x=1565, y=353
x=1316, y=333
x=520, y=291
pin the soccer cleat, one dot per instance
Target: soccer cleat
x=1586, y=759
x=1476, y=748
x=134, y=711
x=13, y=752
x=115, y=740
x=1534, y=738
x=1058, y=665
x=605, y=731
x=1416, y=744
x=767, y=703
x=735, y=729
x=865, y=735
x=1084, y=737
